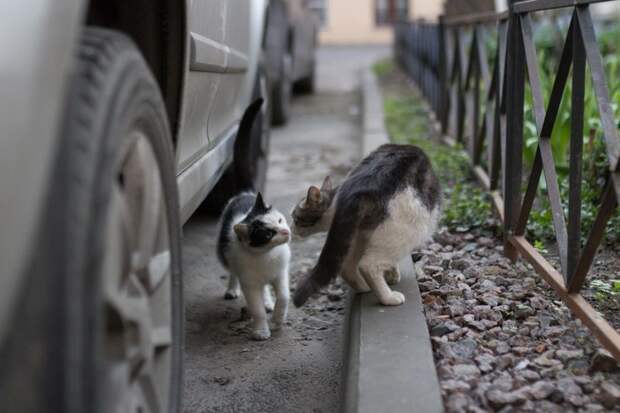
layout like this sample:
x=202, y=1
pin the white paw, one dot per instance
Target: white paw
x=261, y=334
x=231, y=294
x=268, y=306
x=395, y=298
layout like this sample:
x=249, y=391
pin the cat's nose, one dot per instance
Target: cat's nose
x=285, y=232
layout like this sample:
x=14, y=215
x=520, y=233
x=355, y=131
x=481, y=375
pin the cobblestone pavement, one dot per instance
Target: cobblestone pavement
x=298, y=369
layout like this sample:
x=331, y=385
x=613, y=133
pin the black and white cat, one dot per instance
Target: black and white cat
x=388, y=206
x=253, y=246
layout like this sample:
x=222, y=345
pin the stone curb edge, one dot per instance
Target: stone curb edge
x=388, y=360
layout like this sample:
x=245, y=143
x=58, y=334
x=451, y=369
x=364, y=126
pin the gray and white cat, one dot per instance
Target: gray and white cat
x=388, y=206
x=253, y=246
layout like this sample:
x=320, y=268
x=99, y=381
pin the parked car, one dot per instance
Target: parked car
x=119, y=117
x=291, y=43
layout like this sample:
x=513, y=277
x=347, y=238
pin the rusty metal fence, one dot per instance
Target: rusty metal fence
x=479, y=101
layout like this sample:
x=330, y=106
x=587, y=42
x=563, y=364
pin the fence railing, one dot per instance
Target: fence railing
x=479, y=101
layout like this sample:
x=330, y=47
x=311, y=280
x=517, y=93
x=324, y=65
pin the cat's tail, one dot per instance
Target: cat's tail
x=339, y=238
x=246, y=146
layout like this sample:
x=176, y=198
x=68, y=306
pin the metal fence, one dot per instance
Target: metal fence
x=479, y=101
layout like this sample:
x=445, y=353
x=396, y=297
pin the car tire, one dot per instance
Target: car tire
x=252, y=150
x=249, y=168
x=110, y=335
x=282, y=90
x=306, y=85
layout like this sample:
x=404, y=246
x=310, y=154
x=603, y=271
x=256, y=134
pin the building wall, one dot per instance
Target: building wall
x=353, y=21
x=428, y=10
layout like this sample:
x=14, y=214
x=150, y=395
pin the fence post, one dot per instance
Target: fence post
x=515, y=78
x=443, y=77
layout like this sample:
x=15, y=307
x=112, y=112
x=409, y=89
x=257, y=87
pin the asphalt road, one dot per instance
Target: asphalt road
x=298, y=369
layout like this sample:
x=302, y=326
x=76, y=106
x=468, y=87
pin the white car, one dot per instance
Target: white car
x=118, y=119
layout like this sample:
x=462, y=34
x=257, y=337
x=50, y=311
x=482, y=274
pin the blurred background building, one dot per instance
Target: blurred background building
x=371, y=21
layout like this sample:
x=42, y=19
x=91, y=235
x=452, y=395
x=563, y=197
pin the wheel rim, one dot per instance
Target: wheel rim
x=137, y=287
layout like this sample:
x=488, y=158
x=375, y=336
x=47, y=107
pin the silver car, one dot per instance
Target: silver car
x=290, y=53
x=118, y=119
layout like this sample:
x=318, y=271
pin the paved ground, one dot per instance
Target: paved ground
x=299, y=368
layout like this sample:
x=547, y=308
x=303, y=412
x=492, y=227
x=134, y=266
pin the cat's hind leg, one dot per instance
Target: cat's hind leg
x=256, y=307
x=232, y=291
x=373, y=272
x=349, y=268
x=282, y=298
x=392, y=276
x=354, y=278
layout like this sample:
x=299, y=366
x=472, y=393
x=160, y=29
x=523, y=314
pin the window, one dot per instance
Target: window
x=391, y=11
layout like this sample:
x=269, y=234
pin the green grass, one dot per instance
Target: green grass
x=383, y=67
x=466, y=205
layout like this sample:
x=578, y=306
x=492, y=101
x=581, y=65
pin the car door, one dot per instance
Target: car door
x=230, y=100
x=207, y=63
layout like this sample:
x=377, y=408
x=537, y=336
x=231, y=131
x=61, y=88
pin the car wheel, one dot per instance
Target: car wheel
x=306, y=84
x=116, y=215
x=282, y=90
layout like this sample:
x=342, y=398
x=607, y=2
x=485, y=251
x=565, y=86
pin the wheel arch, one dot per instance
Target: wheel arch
x=159, y=29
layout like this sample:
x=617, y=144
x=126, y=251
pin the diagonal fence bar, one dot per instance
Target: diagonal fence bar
x=453, y=86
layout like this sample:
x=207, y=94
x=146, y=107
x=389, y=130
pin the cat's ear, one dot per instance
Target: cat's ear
x=259, y=205
x=314, y=195
x=241, y=230
x=327, y=185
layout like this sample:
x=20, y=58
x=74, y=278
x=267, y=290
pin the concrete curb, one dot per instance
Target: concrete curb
x=388, y=361
x=373, y=127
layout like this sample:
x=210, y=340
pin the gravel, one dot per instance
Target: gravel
x=502, y=340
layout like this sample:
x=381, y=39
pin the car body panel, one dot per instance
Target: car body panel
x=206, y=63
x=234, y=91
x=240, y=48
x=237, y=39
x=38, y=42
x=36, y=58
x=198, y=180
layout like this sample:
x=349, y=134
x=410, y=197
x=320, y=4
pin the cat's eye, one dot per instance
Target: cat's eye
x=280, y=221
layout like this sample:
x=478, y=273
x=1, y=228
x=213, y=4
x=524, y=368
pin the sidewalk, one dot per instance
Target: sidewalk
x=299, y=368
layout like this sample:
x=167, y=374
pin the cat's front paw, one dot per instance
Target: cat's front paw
x=231, y=294
x=260, y=334
x=395, y=298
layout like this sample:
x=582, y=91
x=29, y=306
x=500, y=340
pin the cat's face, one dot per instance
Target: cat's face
x=263, y=228
x=310, y=214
